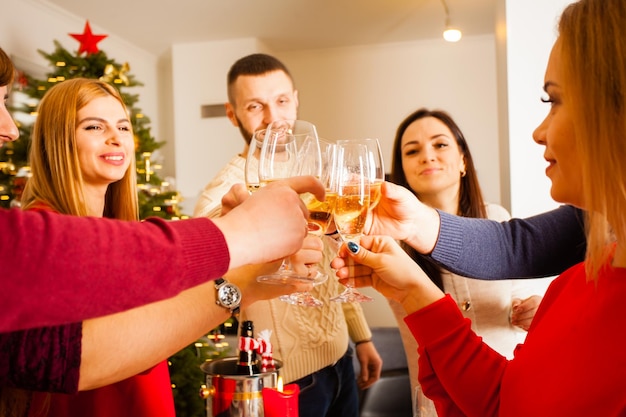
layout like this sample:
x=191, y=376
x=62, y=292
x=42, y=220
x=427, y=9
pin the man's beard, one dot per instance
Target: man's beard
x=247, y=136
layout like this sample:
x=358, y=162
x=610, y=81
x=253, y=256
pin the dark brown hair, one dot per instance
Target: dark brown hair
x=254, y=64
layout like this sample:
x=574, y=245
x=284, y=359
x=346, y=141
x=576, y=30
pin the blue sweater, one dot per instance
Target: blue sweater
x=538, y=246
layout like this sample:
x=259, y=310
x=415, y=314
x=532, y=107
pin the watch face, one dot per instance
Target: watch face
x=229, y=295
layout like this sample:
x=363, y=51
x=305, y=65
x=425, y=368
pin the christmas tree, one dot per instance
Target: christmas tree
x=156, y=197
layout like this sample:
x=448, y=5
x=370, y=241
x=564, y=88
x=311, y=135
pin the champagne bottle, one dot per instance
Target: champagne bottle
x=247, y=364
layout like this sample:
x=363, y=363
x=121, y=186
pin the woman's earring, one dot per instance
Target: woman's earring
x=463, y=173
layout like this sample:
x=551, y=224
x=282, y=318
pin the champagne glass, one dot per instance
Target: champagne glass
x=290, y=147
x=251, y=170
x=353, y=200
x=320, y=212
x=377, y=168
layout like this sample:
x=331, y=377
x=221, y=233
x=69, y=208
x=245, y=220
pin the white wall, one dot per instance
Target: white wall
x=366, y=91
x=523, y=51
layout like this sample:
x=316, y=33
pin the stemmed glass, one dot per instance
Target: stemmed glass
x=320, y=212
x=353, y=200
x=377, y=168
x=251, y=170
x=290, y=148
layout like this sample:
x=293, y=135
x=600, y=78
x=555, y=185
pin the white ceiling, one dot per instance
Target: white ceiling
x=154, y=25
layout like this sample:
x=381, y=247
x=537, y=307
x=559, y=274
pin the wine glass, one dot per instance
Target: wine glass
x=251, y=169
x=320, y=212
x=377, y=168
x=289, y=148
x=353, y=200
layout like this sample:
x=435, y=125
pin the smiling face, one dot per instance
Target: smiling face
x=261, y=99
x=104, y=141
x=556, y=133
x=431, y=159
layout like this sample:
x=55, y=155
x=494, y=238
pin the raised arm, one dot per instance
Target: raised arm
x=60, y=269
x=538, y=246
x=108, y=349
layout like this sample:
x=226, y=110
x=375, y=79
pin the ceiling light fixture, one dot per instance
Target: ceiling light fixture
x=450, y=34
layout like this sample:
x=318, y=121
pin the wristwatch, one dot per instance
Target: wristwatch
x=228, y=295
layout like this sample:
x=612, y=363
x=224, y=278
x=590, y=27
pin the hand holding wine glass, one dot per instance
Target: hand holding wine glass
x=353, y=200
x=320, y=211
x=289, y=148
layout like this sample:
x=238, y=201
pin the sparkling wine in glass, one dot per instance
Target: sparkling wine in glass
x=353, y=200
x=377, y=168
x=321, y=212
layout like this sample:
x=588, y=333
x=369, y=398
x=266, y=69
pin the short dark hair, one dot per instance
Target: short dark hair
x=254, y=64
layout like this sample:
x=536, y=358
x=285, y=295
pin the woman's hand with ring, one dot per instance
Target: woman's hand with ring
x=304, y=262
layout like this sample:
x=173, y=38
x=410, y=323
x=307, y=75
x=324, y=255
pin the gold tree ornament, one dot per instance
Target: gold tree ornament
x=115, y=75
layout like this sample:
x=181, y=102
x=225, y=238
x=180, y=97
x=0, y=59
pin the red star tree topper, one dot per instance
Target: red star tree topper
x=88, y=41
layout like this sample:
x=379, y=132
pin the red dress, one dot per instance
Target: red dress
x=148, y=394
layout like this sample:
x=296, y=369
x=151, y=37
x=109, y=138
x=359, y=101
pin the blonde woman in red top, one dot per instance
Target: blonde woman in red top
x=84, y=165
x=572, y=361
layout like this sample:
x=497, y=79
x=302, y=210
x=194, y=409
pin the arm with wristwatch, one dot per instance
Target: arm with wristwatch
x=170, y=325
x=113, y=347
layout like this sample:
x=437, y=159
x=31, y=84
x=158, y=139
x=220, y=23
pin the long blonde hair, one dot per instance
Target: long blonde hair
x=592, y=43
x=57, y=179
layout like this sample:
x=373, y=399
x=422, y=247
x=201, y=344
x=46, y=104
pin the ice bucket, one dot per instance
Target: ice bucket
x=231, y=395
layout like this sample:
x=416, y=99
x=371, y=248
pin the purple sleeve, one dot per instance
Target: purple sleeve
x=539, y=246
x=42, y=359
x=61, y=269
